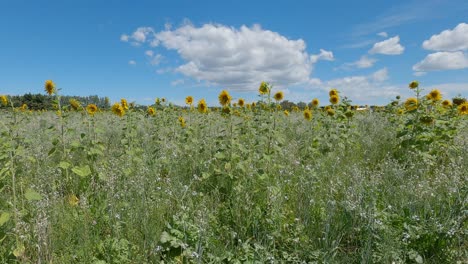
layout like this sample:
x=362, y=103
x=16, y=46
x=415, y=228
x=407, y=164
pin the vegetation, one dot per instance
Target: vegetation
x=250, y=183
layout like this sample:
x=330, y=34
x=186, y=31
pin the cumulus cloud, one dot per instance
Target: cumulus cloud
x=149, y=53
x=419, y=73
x=235, y=58
x=389, y=46
x=382, y=34
x=442, y=61
x=449, y=40
x=380, y=75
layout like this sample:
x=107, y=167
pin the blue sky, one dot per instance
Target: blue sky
x=140, y=50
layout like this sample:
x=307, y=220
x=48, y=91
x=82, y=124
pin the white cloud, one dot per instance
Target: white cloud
x=450, y=90
x=156, y=59
x=380, y=75
x=237, y=59
x=419, y=73
x=124, y=38
x=443, y=61
x=177, y=82
x=383, y=34
x=449, y=40
x=323, y=55
x=149, y=53
x=132, y=62
x=390, y=46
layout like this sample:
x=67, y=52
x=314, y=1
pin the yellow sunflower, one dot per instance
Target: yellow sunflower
x=241, y=102
x=254, y=104
x=202, y=107
x=264, y=88
x=333, y=92
x=4, y=100
x=334, y=99
x=91, y=109
x=330, y=111
x=124, y=103
x=447, y=104
x=463, y=109
x=189, y=100
x=278, y=96
x=118, y=109
x=286, y=112
x=73, y=200
x=49, y=87
x=307, y=114
x=413, y=85
x=181, y=121
x=411, y=104
x=434, y=95
x=24, y=107
x=150, y=111
x=226, y=110
x=74, y=104
x=224, y=98
x=315, y=102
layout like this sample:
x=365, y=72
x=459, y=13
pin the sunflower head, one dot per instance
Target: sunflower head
x=446, y=104
x=75, y=104
x=334, y=99
x=264, y=88
x=224, y=98
x=150, y=111
x=226, y=110
x=4, y=100
x=333, y=92
x=463, y=109
x=157, y=101
x=458, y=100
x=254, y=104
x=330, y=112
x=349, y=114
x=49, y=87
x=315, y=102
x=189, y=100
x=24, y=107
x=434, y=95
x=248, y=106
x=295, y=109
x=278, y=96
x=411, y=104
x=400, y=111
x=286, y=112
x=181, y=121
x=413, y=85
x=91, y=109
x=118, y=109
x=307, y=114
x=427, y=119
x=202, y=107
x=124, y=103
x=241, y=102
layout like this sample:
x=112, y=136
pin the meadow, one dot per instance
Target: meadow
x=240, y=183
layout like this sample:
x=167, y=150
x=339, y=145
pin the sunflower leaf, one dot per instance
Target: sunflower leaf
x=4, y=217
x=32, y=195
x=82, y=171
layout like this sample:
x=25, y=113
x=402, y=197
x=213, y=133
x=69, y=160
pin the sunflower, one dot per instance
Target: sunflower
x=24, y=107
x=307, y=114
x=150, y=111
x=411, y=104
x=264, y=88
x=226, y=110
x=463, y=108
x=189, y=100
x=202, y=108
x=333, y=92
x=4, y=100
x=124, y=103
x=91, y=109
x=163, y=100
x=49, y=87
x=74, y=104
x=400, y=111
x=349, y=114
x=73, y=200
x=334, y=99
x=118, y=109
x=327, y=107
x=224, y=98
x=413, y=85
x=427, y=119
x=181, y=121
x=254, y=104
x=241, y=102
x=248, y=106
x=286, y=112
x=295, y=109
x=315, y=102
x=237, y=113
x=331, y=112
x=446, y=103
x=434, y=95
x=157, y=101
x=278, y=96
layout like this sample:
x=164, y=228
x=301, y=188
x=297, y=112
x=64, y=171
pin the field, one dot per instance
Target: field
x=235, y=184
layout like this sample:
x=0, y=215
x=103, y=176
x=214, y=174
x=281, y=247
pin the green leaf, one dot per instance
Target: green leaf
x=64, y=165
x=32, y=195
x=82, y=171
x=4, y=217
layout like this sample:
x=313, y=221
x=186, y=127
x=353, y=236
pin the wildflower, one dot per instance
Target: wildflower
x=118, y=109
x=73, y=200
x=24, y=107
x=91, y=109
x=331, y=112
x=278, y=96
x=413, y=85
x=307, y=114
x=333, y=92
x=434, y=95
x=463, y=108
x=334, y=99
x=241, y=102
x=248, y=106
x=279, y=107
x=411, y=104
x=224, y=98
x=124, y=103
x=189, y=100
x=327, y=107
x=226, y=110
x=202, y=108
x=234, y=104
x=400, y=111
x=447, y=104
x=49, y=87
x=315, y=102
x=150, y=111
x=237, y=113
x=286, y=112
x=75, y=104
x=4, y=100
x=264, y=88
x=295, y=109
x=181, y=121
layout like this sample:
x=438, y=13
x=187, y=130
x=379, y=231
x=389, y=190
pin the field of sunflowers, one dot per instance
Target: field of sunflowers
x=240, y=183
